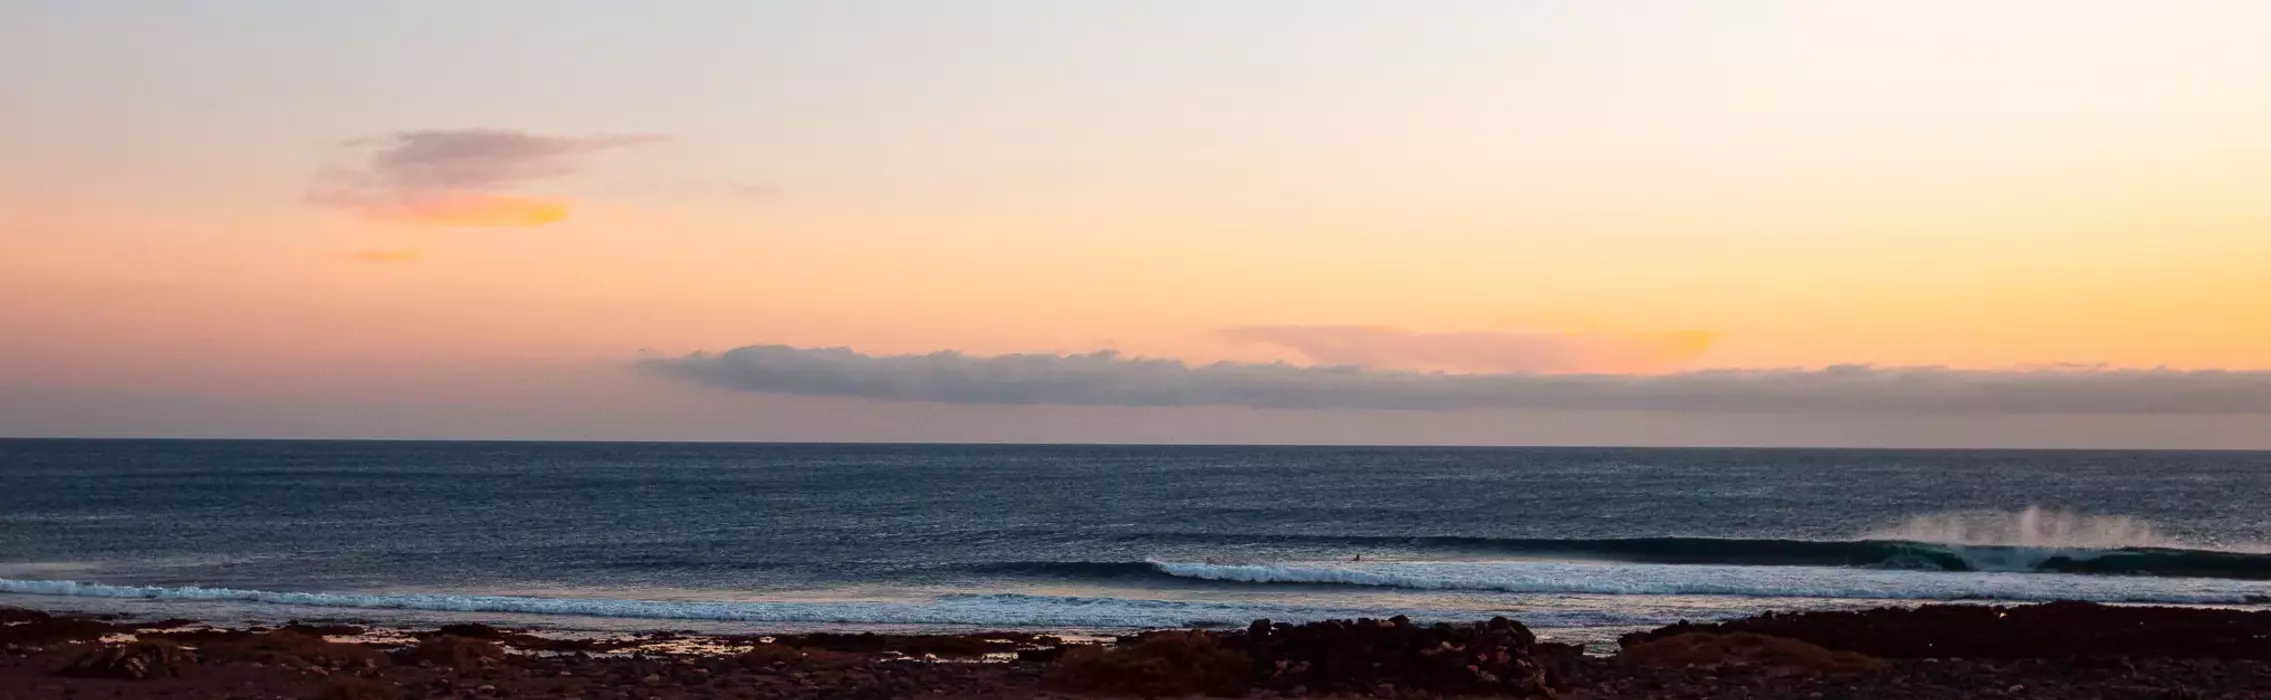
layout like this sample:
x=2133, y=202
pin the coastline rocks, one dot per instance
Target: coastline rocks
x=451, y=651
x=1746, y=651
x=1162, y=664
x=917, y=645
x=1559, y=662
x=132, y=661
x=530, y=642
x=285, y=648
x=1342, y=658
x=351, y=688
x=322, y=630
x=1388, y=658
x=2051, y=630
x=470, y=630
x=1366, y=656
x=40, y=630
x=772, y=656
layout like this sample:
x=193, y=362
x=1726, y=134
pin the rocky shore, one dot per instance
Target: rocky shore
x=2058, y=650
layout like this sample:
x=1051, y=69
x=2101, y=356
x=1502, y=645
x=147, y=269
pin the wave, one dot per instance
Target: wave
x=1841, y=589
x=979, y=610
x=1948, y=580
x=1064, y=569
x=1862, y=553
x=1722, y=580
x=1795, y=586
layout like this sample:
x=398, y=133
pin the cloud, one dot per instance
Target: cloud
x=461, y=177
x=1380, y=347
x=395, y=255
x=1109, y=379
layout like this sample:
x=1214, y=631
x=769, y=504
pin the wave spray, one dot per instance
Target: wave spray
x=2032, y=528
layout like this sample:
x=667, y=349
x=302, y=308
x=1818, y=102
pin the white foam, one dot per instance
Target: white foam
x=1718, y=580
x=1002, y=610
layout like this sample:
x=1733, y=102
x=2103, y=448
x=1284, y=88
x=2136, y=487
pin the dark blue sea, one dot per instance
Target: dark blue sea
x=716, y=537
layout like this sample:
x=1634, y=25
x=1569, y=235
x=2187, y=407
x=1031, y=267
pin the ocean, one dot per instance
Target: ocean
x=1578, y=543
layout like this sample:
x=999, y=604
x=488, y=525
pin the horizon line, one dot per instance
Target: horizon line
x=1006, y=443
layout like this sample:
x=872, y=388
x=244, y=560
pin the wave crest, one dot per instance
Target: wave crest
x=1721, y=580
x=2031, y=540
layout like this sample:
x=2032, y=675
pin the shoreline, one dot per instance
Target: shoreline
x=2053, y=650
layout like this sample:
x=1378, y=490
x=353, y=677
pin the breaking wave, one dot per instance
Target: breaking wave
x=1723, y=580
x=2032, y=540
x=1865, y=553
x=985, y=610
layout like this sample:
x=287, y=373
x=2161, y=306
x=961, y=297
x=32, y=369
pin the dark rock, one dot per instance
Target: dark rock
x=1331, y=657
x=471, y=630
x=1745, y=650
x=286, y=648
x=2052, y=630
x=535, y=643
x=133, y=661
x=46, y=629
x=448, y=651
x=1041, y=654
x=912, y=645
x=1491, y=658
x=315, y=630
x=1163, y=664
x=351, y=688
x=1561, y=663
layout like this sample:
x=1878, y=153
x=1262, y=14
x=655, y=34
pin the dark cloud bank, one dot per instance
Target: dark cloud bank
x=1110, y=379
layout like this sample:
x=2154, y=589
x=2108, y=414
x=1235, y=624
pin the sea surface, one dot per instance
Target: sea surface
x=1581, y=543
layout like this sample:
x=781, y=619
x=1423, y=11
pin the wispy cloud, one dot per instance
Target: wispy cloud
x=1379, y=347
x=389, y=255
x=473, y=209
x=461, y=177
x=1110, y=379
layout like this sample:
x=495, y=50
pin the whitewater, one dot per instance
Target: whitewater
x=1487, y=588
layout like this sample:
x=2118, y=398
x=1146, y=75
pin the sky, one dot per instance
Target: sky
x=1944, y=224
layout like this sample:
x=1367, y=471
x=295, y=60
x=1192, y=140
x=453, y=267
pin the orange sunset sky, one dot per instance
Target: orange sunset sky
x=525, y=219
